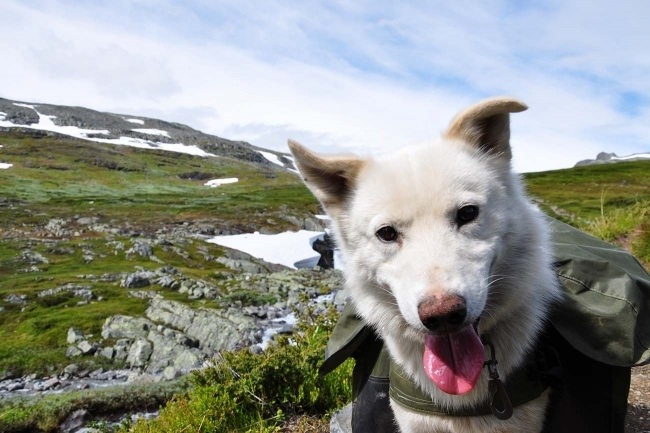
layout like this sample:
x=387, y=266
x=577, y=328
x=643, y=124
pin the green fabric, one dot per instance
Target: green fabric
x=523, y=385
x=606, y=310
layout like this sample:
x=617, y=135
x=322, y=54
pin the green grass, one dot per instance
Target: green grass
x=59, y=177
x=590, y=191
x=44, y=414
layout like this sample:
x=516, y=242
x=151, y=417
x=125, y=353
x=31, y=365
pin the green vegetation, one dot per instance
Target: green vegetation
x=60, y=177
x=243, y=392
x=259, y=393
x=610, y=201
x=46, y=413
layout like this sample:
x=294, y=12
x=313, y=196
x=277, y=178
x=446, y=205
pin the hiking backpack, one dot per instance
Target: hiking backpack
x=593, y=337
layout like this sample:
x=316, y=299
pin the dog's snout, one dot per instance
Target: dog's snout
x=443, y=313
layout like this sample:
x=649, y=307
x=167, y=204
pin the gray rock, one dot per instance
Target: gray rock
x=86, y=221
x=123, y=342
x=168, y=282
x=126, y=327
x=72, y=352
x=213, y=329
x=120, y=353
x=86, y=348
x=84, y=292
x=139, y=353
x=50, y=383
x=141, y=248
x=170, y=373
x=137, y=280
x=341, y=421
x=74, y=335
x=71, y=369
x=33, y=257
x=107, y=352
x=16, y=299
x=167, y=351
x=74, y=422
x=57, y=227
x=14, y=386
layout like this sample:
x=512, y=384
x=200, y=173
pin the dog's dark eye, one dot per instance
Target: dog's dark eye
x=466, y=214
x=387, y=234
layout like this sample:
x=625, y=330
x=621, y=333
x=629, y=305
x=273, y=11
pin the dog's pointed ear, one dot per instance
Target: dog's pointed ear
x=330, y=178
x=486, y=125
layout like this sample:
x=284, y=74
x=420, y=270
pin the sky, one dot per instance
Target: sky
x=359, y=76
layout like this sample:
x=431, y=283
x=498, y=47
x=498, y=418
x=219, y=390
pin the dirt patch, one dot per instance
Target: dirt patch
x=638, y=410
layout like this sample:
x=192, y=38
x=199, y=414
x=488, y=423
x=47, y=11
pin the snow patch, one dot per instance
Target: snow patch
x=18, y=104
x=152, y=132
x=284, y=248
x=216, y=182
x=4, y=166
x=271, y=157
x=634, y=155
x=137, y=121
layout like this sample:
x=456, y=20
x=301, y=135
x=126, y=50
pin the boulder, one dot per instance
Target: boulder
x=86, y=348
x=168, y=352
x=211, y=328
x=139, y=353
x=126, y=327
x=107, y=352
x=16, y=299
x=74, y=335
x=138, y=279
x=72, y=352
x=74, y=422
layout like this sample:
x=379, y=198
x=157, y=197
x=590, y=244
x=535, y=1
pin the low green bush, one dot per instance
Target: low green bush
x=252, y=393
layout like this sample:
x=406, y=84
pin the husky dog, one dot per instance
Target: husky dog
x=444, y=252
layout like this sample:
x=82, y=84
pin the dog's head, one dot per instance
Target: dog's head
x=422, y=232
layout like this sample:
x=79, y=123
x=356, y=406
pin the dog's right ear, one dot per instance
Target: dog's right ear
x=330, y=178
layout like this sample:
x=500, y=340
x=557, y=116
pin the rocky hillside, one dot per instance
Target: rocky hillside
x=105, y=272
x=609, y=157
x=33, y=118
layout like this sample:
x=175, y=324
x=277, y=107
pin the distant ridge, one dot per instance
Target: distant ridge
x=129, y=130
x=608, y=158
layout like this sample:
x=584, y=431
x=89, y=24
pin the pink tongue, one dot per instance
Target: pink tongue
x=454, y=362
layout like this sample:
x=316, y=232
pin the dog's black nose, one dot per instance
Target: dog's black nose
x=443, y=313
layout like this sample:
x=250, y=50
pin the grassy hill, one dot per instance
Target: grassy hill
x=610, y=201
x=65, y=200
x=126, y=193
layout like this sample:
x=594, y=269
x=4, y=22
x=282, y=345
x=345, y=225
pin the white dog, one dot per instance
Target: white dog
x=444, y=253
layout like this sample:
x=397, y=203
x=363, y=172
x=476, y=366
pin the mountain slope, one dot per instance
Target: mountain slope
x=127, y=130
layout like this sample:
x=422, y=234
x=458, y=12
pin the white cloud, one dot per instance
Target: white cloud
x=343, y=76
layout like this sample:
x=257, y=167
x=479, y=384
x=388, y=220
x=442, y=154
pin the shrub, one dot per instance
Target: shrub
x=256, y=393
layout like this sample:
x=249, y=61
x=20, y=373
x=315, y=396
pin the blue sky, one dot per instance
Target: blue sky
x=343, y=76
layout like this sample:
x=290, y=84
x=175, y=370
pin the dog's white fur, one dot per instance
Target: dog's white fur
x=499, y=263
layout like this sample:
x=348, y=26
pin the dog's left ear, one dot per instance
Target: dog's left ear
x=330, y=178
x=487, y=125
